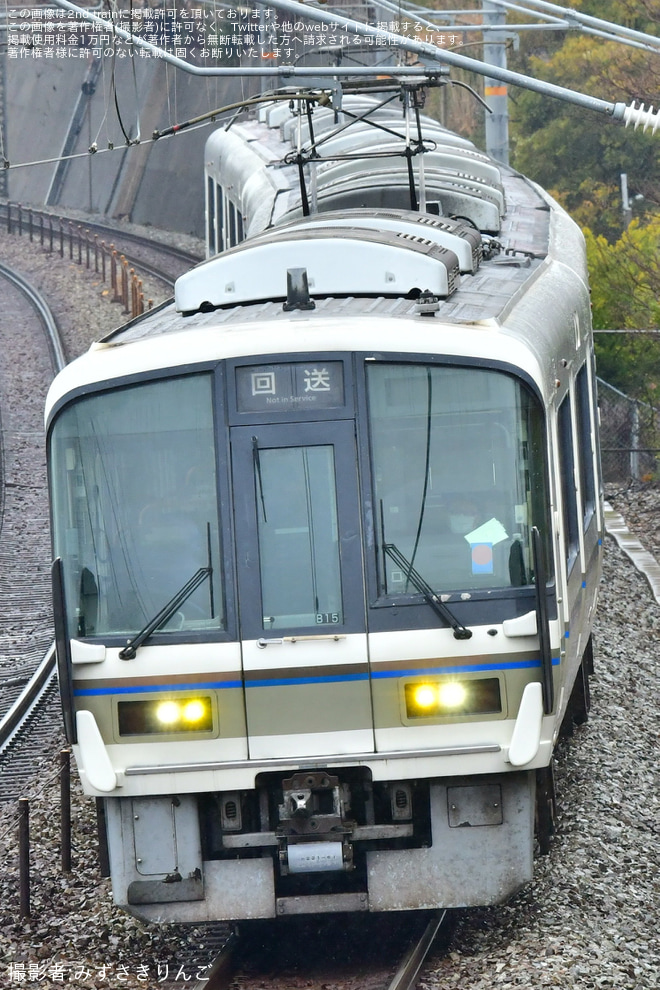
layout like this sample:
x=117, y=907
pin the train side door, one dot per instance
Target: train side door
x=301, y=590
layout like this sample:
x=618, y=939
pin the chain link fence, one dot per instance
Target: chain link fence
x=629, y=436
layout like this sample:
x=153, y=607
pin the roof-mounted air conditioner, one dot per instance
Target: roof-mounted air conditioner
x=456, y=235
x=340, y=261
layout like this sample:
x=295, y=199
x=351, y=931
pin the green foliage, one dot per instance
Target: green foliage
x=579, y=156
x=625, y=278
x=580, y=153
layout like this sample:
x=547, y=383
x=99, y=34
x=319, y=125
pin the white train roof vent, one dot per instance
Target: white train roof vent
x=339, y=262
x=456, y=235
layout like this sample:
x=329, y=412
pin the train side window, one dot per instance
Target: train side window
x=567, y=472
x=225, y=234
x=235, y=224
x=210, y=216
x=233, y=231
x=220, y=218
x=230, y=224
x=585, y=434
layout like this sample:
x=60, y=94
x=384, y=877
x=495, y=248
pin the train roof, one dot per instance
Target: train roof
x=519, y=307
x=389, y=270
x=372, y=280
x=353, y=158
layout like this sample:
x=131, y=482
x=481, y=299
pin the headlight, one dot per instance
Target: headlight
x=169, y=713
x=138, y=718
x=452, y=695
x=194, y=712
x=425, y=696
x=446, y=697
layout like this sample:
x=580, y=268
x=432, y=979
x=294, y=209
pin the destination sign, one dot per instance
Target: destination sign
x=287, y=387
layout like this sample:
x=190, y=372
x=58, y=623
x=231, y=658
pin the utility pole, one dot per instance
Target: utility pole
x=495, y=91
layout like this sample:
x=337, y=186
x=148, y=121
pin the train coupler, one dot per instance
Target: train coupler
x=313, y=825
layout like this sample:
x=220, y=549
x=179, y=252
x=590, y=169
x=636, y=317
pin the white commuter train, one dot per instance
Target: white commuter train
x=327, y=531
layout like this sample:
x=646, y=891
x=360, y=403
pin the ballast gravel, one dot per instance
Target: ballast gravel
x=590, y=917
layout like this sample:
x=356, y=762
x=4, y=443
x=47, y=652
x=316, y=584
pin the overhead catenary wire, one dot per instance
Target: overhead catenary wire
x=193, y=124
x=569, y=22
x=646, y=118
x=86, y=154
x=211, y=115
x=134, y=71
x=618, y=111
x=586, y=22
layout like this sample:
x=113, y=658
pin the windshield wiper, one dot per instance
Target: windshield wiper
x=130, y=650
x=425, y=589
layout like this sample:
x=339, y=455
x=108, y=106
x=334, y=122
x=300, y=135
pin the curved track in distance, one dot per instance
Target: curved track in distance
x=63, y=234
x=32, y=351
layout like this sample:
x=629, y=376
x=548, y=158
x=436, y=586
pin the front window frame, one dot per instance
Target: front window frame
x=223, y=552
x=493, y=604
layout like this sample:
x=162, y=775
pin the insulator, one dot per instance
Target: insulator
x=642, y=118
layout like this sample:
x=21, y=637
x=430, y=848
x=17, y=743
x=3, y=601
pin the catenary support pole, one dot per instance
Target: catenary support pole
x=495, y=90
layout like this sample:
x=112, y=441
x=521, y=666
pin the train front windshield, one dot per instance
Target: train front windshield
x=457, y=457
x=454, y=476
x=135, y=507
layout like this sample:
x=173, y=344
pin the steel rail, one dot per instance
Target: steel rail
x=39, y=682
x=221, y=971
x=408, y=971
x=20, y=712
x=45, y=314
x=178, y=254
x=36, y=216
x=14, y=720
x=122, y=245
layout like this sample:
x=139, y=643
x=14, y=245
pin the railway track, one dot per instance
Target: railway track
x=44, y=312
x=27, y=685
x=373, y=952
x=31, y=358
x=29, y=708
x=13, y=682
x=83, y=238
x=406, y=975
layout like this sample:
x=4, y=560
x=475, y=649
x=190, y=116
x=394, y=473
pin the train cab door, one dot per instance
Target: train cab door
x=301, y=590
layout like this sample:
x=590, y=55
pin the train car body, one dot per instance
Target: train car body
x=327, y=534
